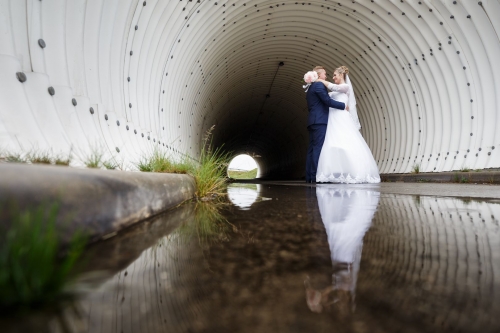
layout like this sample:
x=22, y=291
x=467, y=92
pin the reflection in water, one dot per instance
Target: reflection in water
x=428, y=265
x=347, y=215
x=243, y=195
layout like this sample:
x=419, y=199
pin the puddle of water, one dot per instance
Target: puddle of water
x=306, y=259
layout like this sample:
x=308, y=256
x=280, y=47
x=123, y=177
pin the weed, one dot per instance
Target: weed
x=416, y=168
x=110, y=165
x=62, y=161
x=159, y=161
x=456, y=178
x=209, y=173
x=465, y=169
x=32, y=270
x=94, y=159
x=464, y=180
x=39, y=157
x=15, y=158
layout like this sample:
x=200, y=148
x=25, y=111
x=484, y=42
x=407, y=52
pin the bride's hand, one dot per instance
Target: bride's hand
x=347, y=107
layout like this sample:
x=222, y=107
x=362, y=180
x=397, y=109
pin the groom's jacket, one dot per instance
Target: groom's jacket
x=318, y=103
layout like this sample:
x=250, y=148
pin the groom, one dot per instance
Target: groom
x=318, y=103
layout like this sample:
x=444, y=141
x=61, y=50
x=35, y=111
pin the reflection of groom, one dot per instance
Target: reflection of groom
x=318, y=103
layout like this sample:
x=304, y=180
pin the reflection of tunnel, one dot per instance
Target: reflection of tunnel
x=128, y=74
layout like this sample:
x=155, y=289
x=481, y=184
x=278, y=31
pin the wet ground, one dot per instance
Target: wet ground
x=288, y=258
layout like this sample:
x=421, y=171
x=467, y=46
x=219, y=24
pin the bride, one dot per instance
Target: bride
x=345, y=156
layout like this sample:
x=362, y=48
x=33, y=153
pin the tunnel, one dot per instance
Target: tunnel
x=130, y=76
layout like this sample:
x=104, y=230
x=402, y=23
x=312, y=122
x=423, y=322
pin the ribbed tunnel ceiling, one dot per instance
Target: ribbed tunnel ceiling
x=131, y=74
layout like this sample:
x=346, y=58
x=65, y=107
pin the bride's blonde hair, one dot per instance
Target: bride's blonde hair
x=342, y=70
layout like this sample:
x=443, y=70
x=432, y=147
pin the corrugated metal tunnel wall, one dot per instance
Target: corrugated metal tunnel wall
x=127, y=75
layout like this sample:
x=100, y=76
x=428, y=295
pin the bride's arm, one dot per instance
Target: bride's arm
x=343, y=88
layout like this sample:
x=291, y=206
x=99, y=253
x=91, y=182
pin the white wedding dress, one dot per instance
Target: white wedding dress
x=345, y=156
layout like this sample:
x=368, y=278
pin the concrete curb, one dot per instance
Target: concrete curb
x=481, y=177
x=99, y=202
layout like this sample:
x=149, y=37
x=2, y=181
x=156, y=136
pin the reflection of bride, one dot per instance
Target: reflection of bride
x=345, y=156
x=347, y=215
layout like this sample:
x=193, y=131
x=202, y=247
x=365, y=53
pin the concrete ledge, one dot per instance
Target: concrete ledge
x=481, y=177
x=100, y=202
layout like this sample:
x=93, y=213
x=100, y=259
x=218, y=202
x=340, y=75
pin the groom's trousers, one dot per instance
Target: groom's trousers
x=317, y=134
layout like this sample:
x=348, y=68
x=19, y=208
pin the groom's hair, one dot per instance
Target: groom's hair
x=317, y=68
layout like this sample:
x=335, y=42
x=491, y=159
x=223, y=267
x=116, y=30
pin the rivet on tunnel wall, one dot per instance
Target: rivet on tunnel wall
x=117, y=150
x=118, y=123
x=106, y=116
x=74, y=102
x=41, y=43
x=52, y=91
x=135, y=131
x=91, y=110
x=127, y=127
x=21, y=77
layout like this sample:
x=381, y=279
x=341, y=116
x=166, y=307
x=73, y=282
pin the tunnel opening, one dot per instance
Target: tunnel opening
x=243, y=166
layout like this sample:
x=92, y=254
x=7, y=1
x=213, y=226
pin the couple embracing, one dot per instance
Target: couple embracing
x=337, y=152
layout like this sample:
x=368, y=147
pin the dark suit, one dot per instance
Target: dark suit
x=318, y=103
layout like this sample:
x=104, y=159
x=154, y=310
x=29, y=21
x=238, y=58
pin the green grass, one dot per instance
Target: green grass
x=15, y=158
x=465, y=169
x=110, y=165
x=159, y=161
x=36, y=156
x=209, y=172
x=39, y=157
x=251, y=174
x=33, y=267
x=416, y=168
x=459, y=179
x=95, y=159
x=62, y=161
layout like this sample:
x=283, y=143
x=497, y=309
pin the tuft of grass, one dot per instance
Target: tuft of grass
x=251, y=174
x=416, y=168
x=15, y=158
x=465, y=169
x=94, y=159
x=39, y=157
x=159, y=161
x=110, y=165
x=62, y=161
x=33, y=269
x=457, y=178
x=210, y=173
